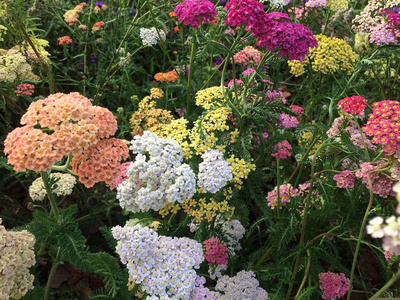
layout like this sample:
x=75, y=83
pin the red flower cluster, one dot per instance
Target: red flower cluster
x=384, y=125
x=64, y=40
x=353, y=105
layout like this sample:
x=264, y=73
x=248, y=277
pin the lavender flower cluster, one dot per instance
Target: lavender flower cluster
x=214, y=171
x=162, y=265
x=157, y=175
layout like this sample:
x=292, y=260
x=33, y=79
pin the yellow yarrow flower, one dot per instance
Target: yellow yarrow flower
x=331, y=55
x=210, y=97
x=240, y=170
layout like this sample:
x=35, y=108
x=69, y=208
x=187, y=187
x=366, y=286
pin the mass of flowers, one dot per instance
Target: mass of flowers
x=198, y=149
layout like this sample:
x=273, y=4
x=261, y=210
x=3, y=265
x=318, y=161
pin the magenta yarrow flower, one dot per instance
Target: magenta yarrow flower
x=333, y=285
x=194, y=12
x=287, y=121
x=248, y=72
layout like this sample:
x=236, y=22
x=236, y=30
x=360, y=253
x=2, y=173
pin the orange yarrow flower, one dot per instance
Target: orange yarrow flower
x=170, y=76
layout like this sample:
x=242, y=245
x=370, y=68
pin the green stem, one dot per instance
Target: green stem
x=362, y=139
x=63, y=168
x=189, y=80
x=392, y=281
x=360, y=235
x=263, y=258
x=278, y=183
x=305, y=275
x=51, y=276
x=49, y=192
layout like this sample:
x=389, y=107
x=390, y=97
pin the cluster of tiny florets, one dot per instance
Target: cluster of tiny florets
x=14, y=66
x=331, y=55
x=353, y=105
x=100, y=162
x=215, y=252
x=209, y=97
x=17, y=256
x=214, y=171
x=288, y=121
x=240, y=170
x=71, y=16
x=24, y=89
x=331, y=4
x=249, y=55
x=150, y=36
x=333, y=285
x=286, y=192
x=157, y=175
x=62, y=185
x=282, y=150
x=194, y=12
x=54, y=127
x=383, y=125
x=345, y=179
x=381, y=184
x=162, y=265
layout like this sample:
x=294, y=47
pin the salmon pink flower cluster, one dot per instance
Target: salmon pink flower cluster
x=286, y=192
x=170, y=76
x=64, y=40
x=383, y=125
x=54, y=127
x=249, y=55
x=345, y=179
x=100, y=162
x=195, y=12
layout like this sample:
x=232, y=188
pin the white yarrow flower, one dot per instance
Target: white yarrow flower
x=375, y=227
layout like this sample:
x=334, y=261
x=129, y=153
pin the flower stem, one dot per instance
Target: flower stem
x=360, y=235
x=189, y=80
x=50, y=278
x=50, y=195
x=392, y=281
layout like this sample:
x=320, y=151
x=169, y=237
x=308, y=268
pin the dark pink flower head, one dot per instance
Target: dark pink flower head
x=194, y=12
x=353, y=104
x=215, y=251
x=393, y=16
x=345, y=179
x=297, y=109
x=333, y=285
x=292, y=39
x=246, y=12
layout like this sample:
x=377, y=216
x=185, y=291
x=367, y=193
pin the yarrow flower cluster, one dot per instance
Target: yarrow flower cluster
x=333, y=285
x=157, y=175
x=215, y=252
x=62, y=185
x=71, y=16
x=272, y=30
x=381, y=184
x=14, y=66
x=24, y=89
x=242, y=286
x=54, y=127
x=209, y=97
x=331, y=4
x=214, y=171
x=150, y=36
x=282, y=150
x=98, y=26
x=286, y=192
x=100, y=162
x=64, y=40
x=345, y=179
x=288, y=121
x=249, y=55
x=162, y=265
x=383, y=125
x=353, y=105
x=233, y=232
x=194, y=12
x=122, y=176
x=17, y=256
x=170, y=76
x=331, y=55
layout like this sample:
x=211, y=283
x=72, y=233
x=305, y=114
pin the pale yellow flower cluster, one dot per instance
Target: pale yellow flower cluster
x=13, y=67
x=240, y=170
x=62, y=186
x=210, y=97
x=331, y=55
x=17, y=256
x=205, y=209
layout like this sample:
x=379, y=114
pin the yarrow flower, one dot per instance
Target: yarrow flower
x=353, y=105
x=331, y=4
x=64, y=40
x=14, y=67
x=209, y=97
x=286, y=192
x=345, y=179
x=17, y=256
x=282, y=150
x=150, y=36
x=194, y=12
x=214, y=171
x=249, y=55
x=24, y=89
x=381, y=184
x=157, y=175
x=238, y=82
x=54, y=127
x=100, y=162
x=162, y=265
x=61, y=185
x=248, y=72
x=297, y=109
x=97, y=26
x=288, y=121
x=215, y=252
x=383, y=125
x=333, y=285
x=122, y=176
x=170, y=76
x=71, y=16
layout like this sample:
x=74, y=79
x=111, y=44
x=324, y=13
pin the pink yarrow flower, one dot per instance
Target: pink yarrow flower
x=282, y=150
x=345, y=179
x=353, y=105
x=24, y=89
x=215, y=252
x=333, y=285
x=194, y=12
